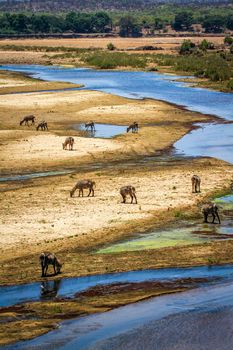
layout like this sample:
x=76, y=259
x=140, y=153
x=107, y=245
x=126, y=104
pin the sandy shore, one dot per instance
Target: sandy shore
x=27, y=150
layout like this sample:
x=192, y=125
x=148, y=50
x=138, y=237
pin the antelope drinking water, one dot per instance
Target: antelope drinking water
x=210, y=209
x=134, y=127
x=128, y=190
x=47, y=259
x=81, y=185
x=69, y=141
x=90, y=125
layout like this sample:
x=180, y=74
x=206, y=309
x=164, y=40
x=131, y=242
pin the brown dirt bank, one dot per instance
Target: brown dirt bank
x=29, y=320
x=41, y=216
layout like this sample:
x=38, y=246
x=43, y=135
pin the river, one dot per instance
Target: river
x=212, y=140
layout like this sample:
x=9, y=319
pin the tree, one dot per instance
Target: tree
x=183, y=21
x=129, y=27
x=229, y=23
x=100, y=22
x=214, y=24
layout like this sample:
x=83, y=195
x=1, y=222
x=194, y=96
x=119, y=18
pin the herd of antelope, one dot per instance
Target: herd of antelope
x=47, y=259
x=43, y=125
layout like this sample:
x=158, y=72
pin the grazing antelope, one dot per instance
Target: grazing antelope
x=134, y=127
x=210, y=209
x=28, y=118
x=128, y=190
x=90, y=125
x=68, y=141
x=196, y=184
x=42, y=125
x=47, y=259
x=81, y=185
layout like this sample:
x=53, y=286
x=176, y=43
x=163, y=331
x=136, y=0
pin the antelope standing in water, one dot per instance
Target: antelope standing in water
x=47, y=259
x=90, y=125
x=134, y=127
x=69, y=141
x=196, y=184
x=210, y=209
x=27, y=119
x=128, y=190
x=81, y=185
x=43, y=126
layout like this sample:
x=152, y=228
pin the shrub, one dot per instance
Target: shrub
x=228, y=40
x=206, y=45
x=111, y=47
x=187, y=47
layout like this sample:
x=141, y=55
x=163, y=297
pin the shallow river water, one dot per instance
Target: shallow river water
x=211, y=140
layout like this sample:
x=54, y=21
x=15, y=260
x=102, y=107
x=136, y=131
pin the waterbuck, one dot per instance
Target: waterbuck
x=210, y=209
x=69, y=141
x=90, y=125
x=81, y=185
x=128, y=190
x=47, y=259
x=134, y=127
x=42, y=125
x=28, y=118
x=196, y=184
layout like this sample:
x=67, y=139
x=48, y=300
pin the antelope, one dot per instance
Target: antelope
x=196, y=184
x=210, y=209
x=28, y=118
x=128, y=190
x=42, y=125
x=90, y=125
x=68, y=141
x=81, y=185
x=134, y=127
x=47, y=259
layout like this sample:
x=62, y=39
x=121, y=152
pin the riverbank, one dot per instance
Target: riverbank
x=32, y=319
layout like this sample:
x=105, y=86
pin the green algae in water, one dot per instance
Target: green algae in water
x=225, y=202
x=156, y=240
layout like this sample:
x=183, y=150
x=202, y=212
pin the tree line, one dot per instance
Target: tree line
x=128, y=24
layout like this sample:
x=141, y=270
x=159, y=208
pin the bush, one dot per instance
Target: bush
x=206, y=45
x=111, y=47
x=228, y=40
x=187, y=47
x=110, y=60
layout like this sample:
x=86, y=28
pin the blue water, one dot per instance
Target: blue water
x=103, y=130
x=138, y=85
x=89, y=332
x=12, y=295
x=212, y=140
